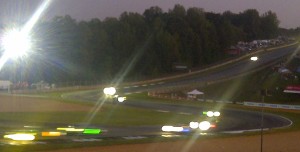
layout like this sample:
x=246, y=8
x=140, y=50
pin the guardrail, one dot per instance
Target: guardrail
x=245, y=103
x=269, y=105
x=218, y=65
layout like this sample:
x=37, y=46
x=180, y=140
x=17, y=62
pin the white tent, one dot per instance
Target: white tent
x=284, y=70
x=194, y=93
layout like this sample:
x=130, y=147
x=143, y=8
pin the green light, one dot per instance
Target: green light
x=92, y=131
x=205, y=112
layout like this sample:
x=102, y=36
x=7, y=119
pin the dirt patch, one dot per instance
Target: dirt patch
x=29, y=104
x=280, y=142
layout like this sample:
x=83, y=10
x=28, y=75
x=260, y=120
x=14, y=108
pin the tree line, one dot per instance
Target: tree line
x=137, y=46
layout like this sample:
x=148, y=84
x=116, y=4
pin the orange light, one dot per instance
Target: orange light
x=51, y=134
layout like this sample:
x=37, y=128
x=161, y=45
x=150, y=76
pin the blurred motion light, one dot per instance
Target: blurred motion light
x=194, y=125
x=121, y=99
x=109, y=91
x=92, y=131
x=52, y=134
x=172, y=128
x=15, y=43
x=217, y=114
x=254, y=58
x=204, y=125
x=71, y=129
x=210, y=114
x=213, y=126
x=20, y=136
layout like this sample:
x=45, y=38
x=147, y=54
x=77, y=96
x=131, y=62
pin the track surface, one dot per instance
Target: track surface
x=242, y=120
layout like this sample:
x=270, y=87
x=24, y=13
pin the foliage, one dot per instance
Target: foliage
x=137, y=46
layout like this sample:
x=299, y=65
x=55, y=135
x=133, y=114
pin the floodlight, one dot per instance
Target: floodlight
x=15, y=43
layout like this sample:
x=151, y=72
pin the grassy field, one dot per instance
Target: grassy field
x=124, y=116
x=246, y=88
x=119, y=115
x=108, y=115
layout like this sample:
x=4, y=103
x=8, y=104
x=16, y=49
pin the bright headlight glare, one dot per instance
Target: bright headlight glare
x=20, y=136
x=194, y=125
x=204, y=125
x=121, y=99
x=110, y=91
x=217, y=114
x=172, y=128
x=254, y=58
x=210, y=114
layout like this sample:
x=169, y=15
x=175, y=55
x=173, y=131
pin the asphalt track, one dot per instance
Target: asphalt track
x=239, y=121
x=231, y=70
x=243, y=120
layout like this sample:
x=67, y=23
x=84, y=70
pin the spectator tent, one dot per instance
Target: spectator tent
x=193, y=94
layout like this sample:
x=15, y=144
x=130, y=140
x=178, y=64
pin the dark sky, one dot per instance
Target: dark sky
x=288, y=11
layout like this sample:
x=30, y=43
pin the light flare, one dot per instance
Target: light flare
x=194, y=125
x=17, y=42
x=217, y=113
x=172, y=129
x=109, y=91
x=92, y=131
x=20, y=136
x=204, y=125
x=71, y=129
x=52, y=134
x=210, y=114
x=121, y=99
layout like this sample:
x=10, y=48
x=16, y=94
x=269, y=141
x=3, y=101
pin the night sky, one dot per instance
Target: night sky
x=288, y=11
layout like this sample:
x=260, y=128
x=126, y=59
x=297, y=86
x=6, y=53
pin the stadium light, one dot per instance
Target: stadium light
x=15, y=43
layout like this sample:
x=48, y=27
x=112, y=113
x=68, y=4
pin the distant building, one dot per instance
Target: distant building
x=4, y=84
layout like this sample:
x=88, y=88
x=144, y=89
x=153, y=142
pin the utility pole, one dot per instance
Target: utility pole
x=264, y=93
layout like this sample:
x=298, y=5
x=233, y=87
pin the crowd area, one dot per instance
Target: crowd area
x=247, y=47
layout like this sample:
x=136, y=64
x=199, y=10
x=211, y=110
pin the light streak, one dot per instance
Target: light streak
x=20, y=136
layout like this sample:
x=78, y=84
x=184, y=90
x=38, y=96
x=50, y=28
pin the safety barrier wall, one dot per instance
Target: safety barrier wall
x=245, y=103
x=269, y=105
